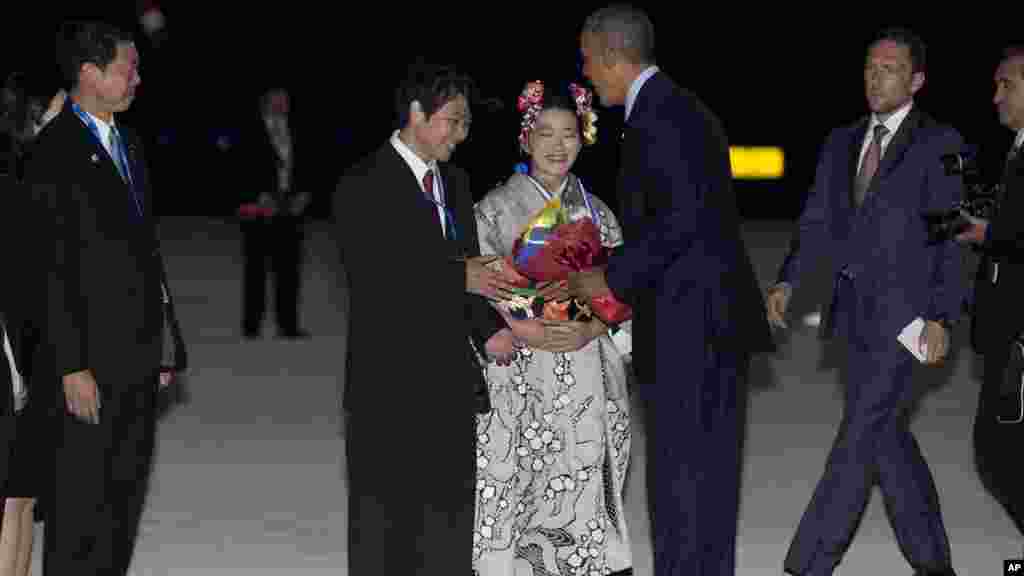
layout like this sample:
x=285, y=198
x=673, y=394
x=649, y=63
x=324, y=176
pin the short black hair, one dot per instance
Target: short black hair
x=625, y=29
x=433, y=86
x=82, y=42
x=907, y=37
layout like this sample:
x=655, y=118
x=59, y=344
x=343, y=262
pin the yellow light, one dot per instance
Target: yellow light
x=757, y=162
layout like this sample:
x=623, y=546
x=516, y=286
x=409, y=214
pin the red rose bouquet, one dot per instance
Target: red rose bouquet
x=548, y=250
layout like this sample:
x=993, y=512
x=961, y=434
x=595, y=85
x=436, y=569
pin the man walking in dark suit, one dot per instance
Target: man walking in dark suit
x=104, y=286
x=998, y=320
x=418, y=320
x=874, y=179
x=698, y=311
x=274, y=183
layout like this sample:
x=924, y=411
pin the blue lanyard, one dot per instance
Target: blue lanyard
x=120, y=149
x=449, y=218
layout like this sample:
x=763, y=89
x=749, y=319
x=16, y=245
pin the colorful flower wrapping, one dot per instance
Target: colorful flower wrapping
x=548, y=250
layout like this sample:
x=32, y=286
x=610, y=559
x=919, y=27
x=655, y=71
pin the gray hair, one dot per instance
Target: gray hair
x=625, y=30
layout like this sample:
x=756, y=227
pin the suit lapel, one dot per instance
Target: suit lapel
x=891, y=156
x=633, y=200
x=136, y=168
x=451, y=201
x=856, y=143
x=99, y=155
x=898, y=146
x=411, y=196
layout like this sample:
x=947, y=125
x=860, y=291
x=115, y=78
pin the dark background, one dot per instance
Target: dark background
x=774, y=81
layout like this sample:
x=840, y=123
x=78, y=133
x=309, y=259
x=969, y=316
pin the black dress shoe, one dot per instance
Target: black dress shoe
x=251, y=334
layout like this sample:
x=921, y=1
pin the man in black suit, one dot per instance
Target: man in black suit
x=102, y=278
x=998, y=318
x=273, y=182
x=698, y=311
x=419, y=323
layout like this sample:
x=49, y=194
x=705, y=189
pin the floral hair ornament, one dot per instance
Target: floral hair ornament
x=530, y=103
x=585, y=110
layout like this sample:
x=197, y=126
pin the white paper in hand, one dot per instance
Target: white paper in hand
x=910, y=337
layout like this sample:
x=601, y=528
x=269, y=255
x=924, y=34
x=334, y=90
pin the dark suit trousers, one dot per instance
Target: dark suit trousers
x=694, y=444
x=411, y=491
x=873, y=444
x=278, y=239
x=101, y=478
x=997, y=446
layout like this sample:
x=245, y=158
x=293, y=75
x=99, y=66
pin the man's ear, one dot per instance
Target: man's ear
x=89, y=73
x=916, y=82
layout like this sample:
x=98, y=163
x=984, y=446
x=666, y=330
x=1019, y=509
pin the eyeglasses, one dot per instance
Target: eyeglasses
x=458, y=123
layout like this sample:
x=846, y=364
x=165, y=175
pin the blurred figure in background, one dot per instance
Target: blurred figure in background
x=273, y=212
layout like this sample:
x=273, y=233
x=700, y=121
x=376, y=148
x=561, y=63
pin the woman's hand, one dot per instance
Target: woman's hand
x=556, y=336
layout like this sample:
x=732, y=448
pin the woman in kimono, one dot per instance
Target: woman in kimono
x=553, y=452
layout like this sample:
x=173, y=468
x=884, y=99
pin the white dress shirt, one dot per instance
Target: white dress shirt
x=892, y=124
x=635, y=87
x=104, y=130
x=1019, y=139
x=419, y=169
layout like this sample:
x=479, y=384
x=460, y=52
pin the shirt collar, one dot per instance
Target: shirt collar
x=634, y=88
x=892, y=123
x=102, y=126
x=418, y=166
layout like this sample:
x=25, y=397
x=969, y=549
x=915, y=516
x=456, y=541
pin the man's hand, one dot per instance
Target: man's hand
x=588, y=284
x=934, y=338
x=556, y=290
x=975, y=234
x=81, y=396
x=562, y=336
x=165, y=379
x=501, y=347
x=486, y=282
x=777, y=301
x=555, y=335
